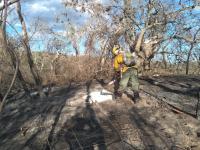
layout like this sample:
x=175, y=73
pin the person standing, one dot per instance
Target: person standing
x=125, y=65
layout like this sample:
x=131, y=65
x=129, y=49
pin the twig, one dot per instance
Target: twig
x=8, y=4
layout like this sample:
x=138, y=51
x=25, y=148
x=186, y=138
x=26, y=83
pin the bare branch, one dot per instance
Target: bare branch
x=8, y=4
x=12, y=54
x=34, y=71
x=190, y=40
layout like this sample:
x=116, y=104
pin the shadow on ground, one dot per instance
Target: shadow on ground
x=151, y=137
x=56, y=124
x=25, y=122
x=82, y=131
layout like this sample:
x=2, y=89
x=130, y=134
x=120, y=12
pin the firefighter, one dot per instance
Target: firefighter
x=126, y=72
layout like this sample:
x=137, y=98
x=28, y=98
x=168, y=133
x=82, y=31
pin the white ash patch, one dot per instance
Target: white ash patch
x=99, y=96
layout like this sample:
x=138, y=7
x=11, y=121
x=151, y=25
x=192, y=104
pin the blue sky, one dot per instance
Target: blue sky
x=47, y=11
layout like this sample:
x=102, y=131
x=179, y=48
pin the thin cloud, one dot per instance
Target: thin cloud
x=49, y=10
x=39, y=8
x=36, y=7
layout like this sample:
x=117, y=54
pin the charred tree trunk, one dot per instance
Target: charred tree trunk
x=8, y=4
x=145, y=51
x=9, y=49
x=188, y=59
x=13, y=59
x=12, y=82
x=12, y=54
x=139, y=41
x=34, y=71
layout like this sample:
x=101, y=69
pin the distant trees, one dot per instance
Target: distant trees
x=13, y=55
x=151, y=23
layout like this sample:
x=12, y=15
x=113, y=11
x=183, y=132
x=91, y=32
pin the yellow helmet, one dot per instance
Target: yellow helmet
x=115, y=49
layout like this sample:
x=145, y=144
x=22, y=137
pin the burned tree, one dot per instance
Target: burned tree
x=12, y=53
x=33, y=68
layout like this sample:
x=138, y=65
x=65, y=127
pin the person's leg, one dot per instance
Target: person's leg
x=135, y=84
x=124, y=81
x=116, y=84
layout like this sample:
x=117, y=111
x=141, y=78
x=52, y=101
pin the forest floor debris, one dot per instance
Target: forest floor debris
x=66, y=120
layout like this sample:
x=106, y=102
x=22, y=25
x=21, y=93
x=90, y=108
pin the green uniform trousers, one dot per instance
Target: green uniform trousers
x=129, y=77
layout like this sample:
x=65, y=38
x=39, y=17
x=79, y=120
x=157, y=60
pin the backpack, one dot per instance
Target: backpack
x=130, y=59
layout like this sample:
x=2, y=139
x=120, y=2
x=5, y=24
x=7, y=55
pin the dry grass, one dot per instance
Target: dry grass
x=54, y=69
x=63, y=69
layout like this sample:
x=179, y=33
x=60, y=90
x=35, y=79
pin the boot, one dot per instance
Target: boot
x=136, y=97
x=117, y=96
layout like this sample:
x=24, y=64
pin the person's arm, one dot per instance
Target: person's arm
x=118, y=61
x=118, y=64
